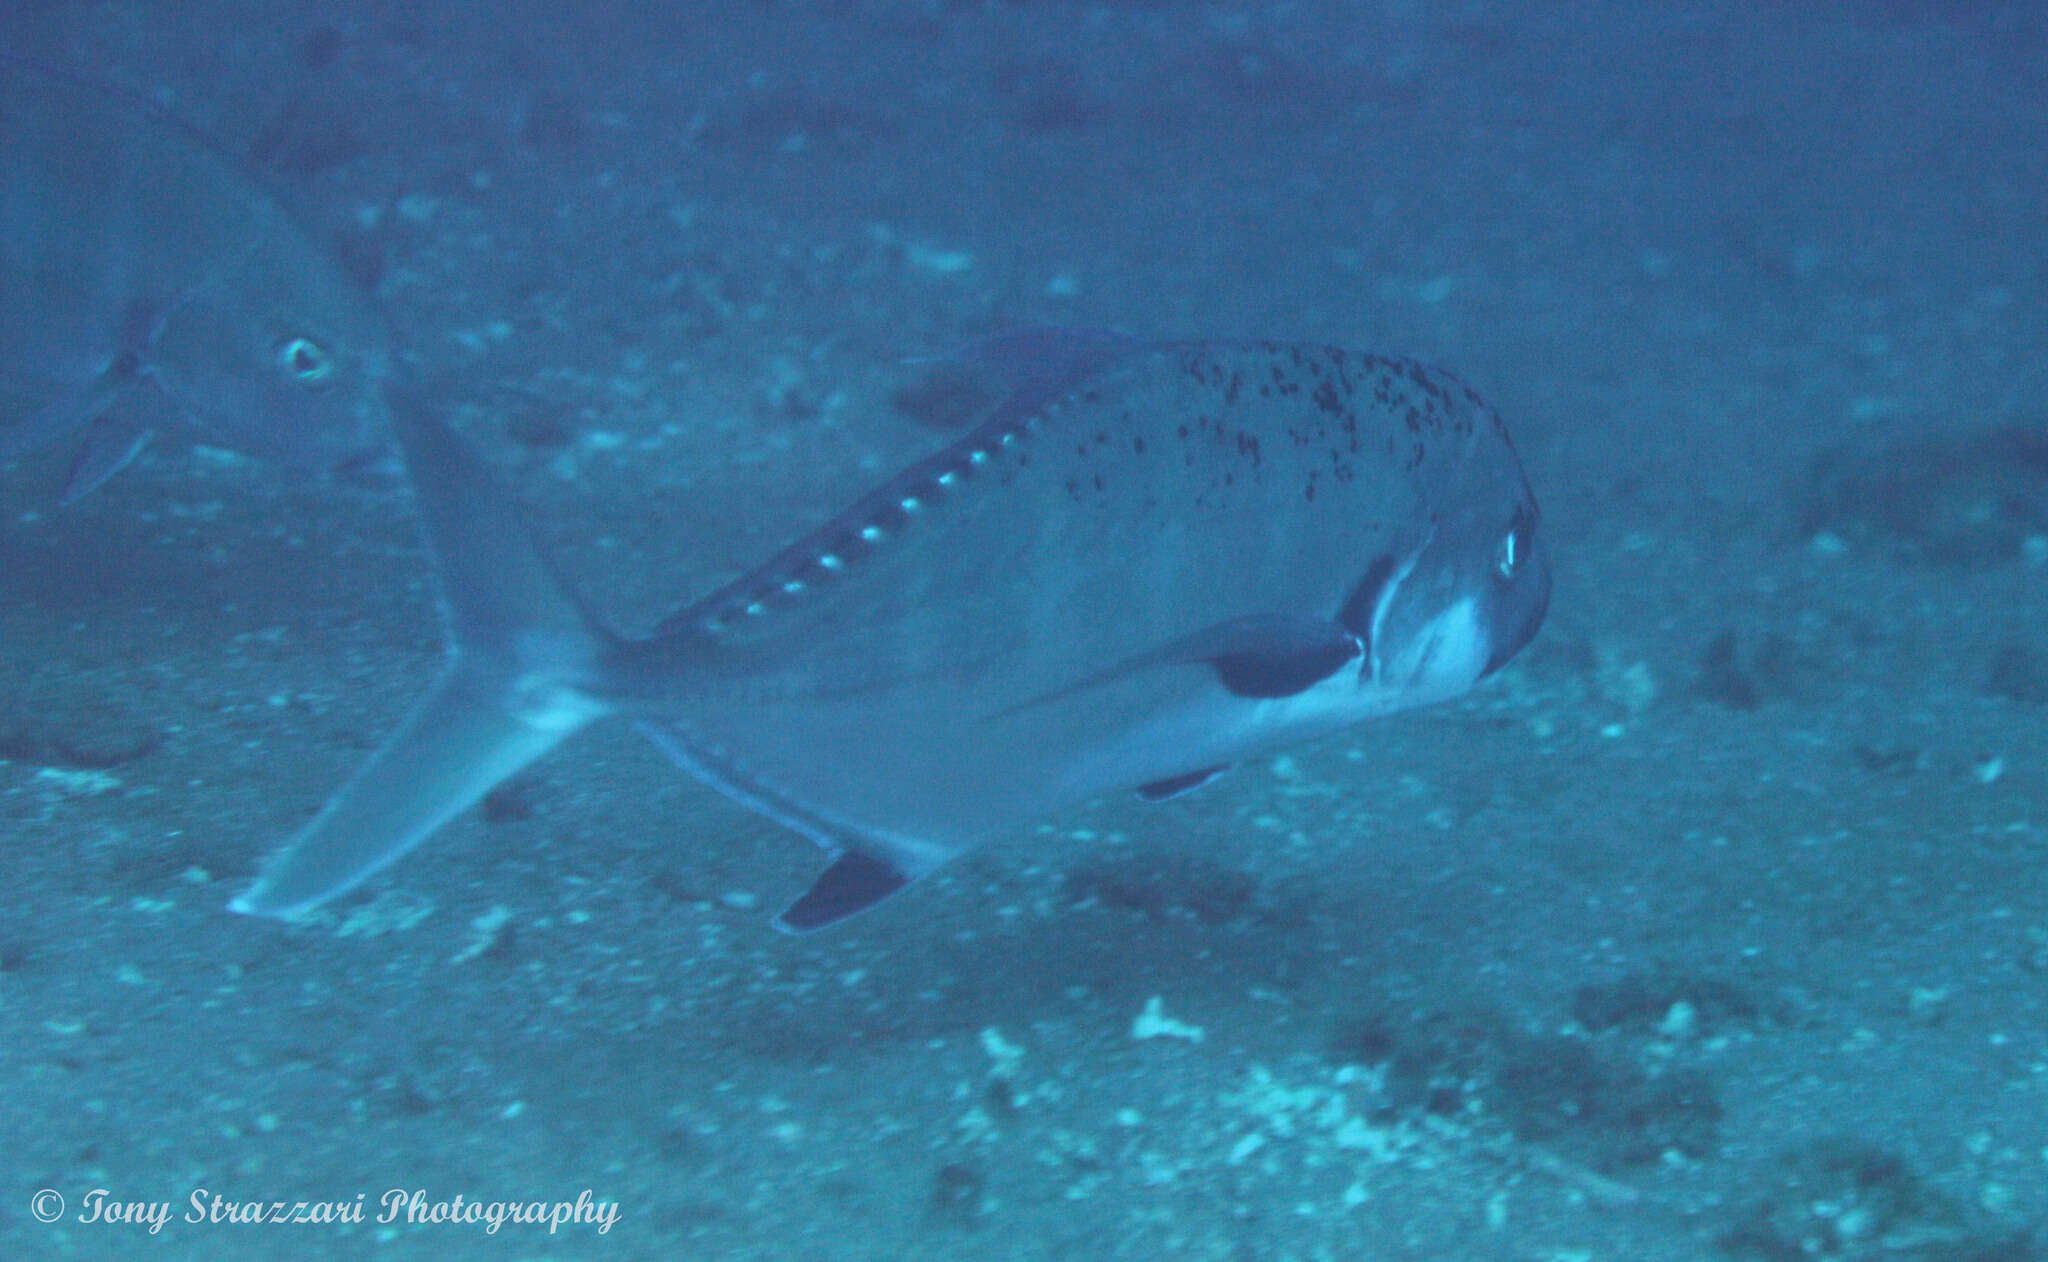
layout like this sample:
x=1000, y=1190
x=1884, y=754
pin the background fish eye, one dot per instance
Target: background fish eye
x=305, y=360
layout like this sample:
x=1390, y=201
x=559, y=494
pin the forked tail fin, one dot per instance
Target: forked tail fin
x=520, y=652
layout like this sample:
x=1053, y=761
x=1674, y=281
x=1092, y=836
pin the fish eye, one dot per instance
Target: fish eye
x=305, y=360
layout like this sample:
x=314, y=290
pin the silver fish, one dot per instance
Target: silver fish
x=1151, y=561
x=144, y=281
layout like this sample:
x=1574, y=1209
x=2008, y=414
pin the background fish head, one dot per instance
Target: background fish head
x=1476, y=590
x=292, y=370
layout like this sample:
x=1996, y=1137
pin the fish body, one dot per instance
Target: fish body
x=146, y=282
x=1151, y=561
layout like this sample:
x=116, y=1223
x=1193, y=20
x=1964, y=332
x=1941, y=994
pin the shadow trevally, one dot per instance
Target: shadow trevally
x=145, y=281
x=1151, y=561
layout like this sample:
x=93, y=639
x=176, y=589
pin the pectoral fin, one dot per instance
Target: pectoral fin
x=1282, y=660
x=1262, y=657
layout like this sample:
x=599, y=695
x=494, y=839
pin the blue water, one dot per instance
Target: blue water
x=1715, y=927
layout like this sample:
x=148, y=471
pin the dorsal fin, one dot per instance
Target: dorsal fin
x=1042, y=359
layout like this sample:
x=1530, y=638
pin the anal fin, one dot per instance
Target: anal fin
x=1175, y=786
x=852, y=884
x=859, y=875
